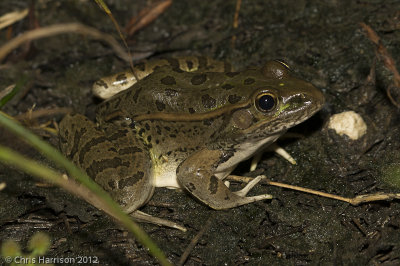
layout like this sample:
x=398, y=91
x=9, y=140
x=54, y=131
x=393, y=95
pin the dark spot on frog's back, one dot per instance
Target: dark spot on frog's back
x=231, y=74
x=102, y=83
x=160, y=105
x=208, y=101
x=248, y=81
x=121, y=78
x=158, y=129
x=168, y=80
x=141, y=132
x=227, y=86
x=199, y=79
x=189, y=64
x=234, y=98
x=173, y=62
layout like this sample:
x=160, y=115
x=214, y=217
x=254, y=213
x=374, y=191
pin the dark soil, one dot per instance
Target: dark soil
x=322, y=41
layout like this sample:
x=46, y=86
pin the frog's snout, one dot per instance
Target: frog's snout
x=317, y=96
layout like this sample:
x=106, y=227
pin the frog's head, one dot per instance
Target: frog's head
x=277, y=102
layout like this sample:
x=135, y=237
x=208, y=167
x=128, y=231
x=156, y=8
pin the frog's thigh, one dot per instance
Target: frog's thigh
x=196, y=174
x=122, y=170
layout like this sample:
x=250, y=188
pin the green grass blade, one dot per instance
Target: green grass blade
x=4, y=100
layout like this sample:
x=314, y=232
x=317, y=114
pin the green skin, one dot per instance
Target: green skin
x=187, y=130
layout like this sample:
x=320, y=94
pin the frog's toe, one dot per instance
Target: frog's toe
x=243, y=192
x=284, y=154
x=275, y=148
x=254, y=162
x=258, y=197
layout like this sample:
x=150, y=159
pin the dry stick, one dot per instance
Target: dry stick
x=236, y=20
x=353, y=201
x=194, y=241
x=61, y=29
x=43, y=112
x=146, y=16
x=12, y=17
x=105, y=8
x=387, y=60
x=236, y=16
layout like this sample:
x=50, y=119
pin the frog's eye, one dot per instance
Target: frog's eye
x=265, y=102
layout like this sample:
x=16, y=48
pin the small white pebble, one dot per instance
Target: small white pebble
x=348, y=123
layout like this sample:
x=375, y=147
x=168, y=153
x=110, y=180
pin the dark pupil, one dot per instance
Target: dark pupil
x=266, y=102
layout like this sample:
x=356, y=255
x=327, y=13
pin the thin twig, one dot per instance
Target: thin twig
x=12, y=17
x=43, y=112
x=353, y=201
x=194, y=241
x=146, y=16
x=236, y=21
x=388, y=61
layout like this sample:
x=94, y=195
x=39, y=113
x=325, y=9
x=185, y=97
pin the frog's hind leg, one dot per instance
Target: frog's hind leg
x=115, y=160
x=122, y=170
x=196, y=174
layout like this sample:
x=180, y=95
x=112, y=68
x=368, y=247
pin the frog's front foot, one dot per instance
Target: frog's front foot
x=243, y=192
x=196, y=174
x=275, y=148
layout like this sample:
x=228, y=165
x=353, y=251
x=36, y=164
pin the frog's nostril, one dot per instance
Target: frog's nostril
x=299, y=98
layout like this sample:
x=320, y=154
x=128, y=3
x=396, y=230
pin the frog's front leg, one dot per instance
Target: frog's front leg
x=197, y=175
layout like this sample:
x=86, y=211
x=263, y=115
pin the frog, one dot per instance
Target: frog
x=185, y=123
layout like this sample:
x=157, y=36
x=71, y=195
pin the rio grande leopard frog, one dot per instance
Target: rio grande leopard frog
x=185, y=124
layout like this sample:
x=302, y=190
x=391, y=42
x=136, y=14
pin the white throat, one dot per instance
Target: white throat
x=243, y=152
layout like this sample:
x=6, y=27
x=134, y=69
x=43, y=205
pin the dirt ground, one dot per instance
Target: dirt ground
x=322, y=41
